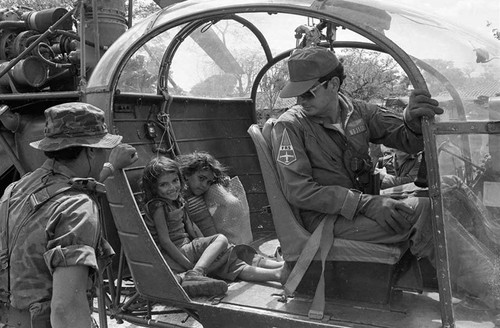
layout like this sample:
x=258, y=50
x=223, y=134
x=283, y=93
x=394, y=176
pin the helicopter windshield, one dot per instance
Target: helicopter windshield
x=455, y=63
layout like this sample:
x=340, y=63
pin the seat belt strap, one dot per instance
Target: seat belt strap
x=317, y=309
x=306, y=256
x=4, y=224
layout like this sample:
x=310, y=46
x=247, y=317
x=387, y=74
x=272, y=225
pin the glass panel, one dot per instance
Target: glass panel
x=472, y=223
x=268, y=103
x=469, y=62
x=217, y=61
x=371, y=76
x=105, y=69
x=140, y=74
x=463, y=60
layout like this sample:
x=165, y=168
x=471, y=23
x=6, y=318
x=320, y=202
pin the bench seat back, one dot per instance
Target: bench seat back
x=152, y=276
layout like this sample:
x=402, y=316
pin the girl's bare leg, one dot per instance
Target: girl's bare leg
x=218, y=246
x=259, y=274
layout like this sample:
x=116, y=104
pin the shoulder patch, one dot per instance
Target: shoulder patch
x=286, y=154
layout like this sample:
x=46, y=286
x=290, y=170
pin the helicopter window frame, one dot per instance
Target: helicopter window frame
x=186, y=31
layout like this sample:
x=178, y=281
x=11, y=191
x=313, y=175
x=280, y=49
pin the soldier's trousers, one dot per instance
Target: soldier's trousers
x=473, y=267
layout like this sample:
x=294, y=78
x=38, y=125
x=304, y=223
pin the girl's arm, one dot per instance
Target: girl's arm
x=166, y=243
x=192, y=229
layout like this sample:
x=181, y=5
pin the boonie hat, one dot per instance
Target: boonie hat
x=75, y=124
x=306, y=66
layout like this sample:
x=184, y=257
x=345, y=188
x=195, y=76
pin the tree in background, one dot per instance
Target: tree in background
x=455, y=75
x=271, y=84
x=268, y=103
x=36, y=4
x=217, y=86
x=459, y=78
x=141, y=9
x=251, y=62
x=372, y=75
x=137, y=76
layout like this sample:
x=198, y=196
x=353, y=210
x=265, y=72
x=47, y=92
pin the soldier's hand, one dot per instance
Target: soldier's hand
x=122, y=156
x=422, y=104
x=389, y=213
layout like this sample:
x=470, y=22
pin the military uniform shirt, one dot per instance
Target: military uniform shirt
x=65, y=231
x=312, y=157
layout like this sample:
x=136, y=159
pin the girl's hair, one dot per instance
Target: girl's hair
x=201, y=161
x=152, y=172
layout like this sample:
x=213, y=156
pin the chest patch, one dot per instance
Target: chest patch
x=356, y=127
x=286, y=154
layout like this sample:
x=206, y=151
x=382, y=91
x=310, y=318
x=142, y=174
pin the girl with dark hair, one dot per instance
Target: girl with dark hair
x=185, y=249
x=182, y=243
x=217, y=204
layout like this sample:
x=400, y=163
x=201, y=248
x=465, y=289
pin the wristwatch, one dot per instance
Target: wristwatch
x=109, y=166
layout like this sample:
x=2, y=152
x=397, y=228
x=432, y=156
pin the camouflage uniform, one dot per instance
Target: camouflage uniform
x=75, y=124
x=64, y=232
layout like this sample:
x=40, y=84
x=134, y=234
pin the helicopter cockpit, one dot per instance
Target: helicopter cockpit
x=198, y=74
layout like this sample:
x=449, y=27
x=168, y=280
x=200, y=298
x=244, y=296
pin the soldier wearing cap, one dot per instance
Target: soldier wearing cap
x=53, y=231
x=321, y=150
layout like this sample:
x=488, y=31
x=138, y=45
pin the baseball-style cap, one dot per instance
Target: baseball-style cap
x=75, y=124
x=306, y=66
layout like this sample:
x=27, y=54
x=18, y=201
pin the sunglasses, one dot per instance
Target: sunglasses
x=310, y=94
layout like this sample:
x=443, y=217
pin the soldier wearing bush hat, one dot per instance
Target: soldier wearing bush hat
x=56, y=216
x=75, y=124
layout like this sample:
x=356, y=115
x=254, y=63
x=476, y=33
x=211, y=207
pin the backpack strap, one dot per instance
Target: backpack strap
x=4, y=244
x=87, y=185
x=4, y=225
x=44, y=194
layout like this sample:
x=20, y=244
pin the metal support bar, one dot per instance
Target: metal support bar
x=96, y=31
x=83, y=59
x=440, y=246
x=101, y=304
